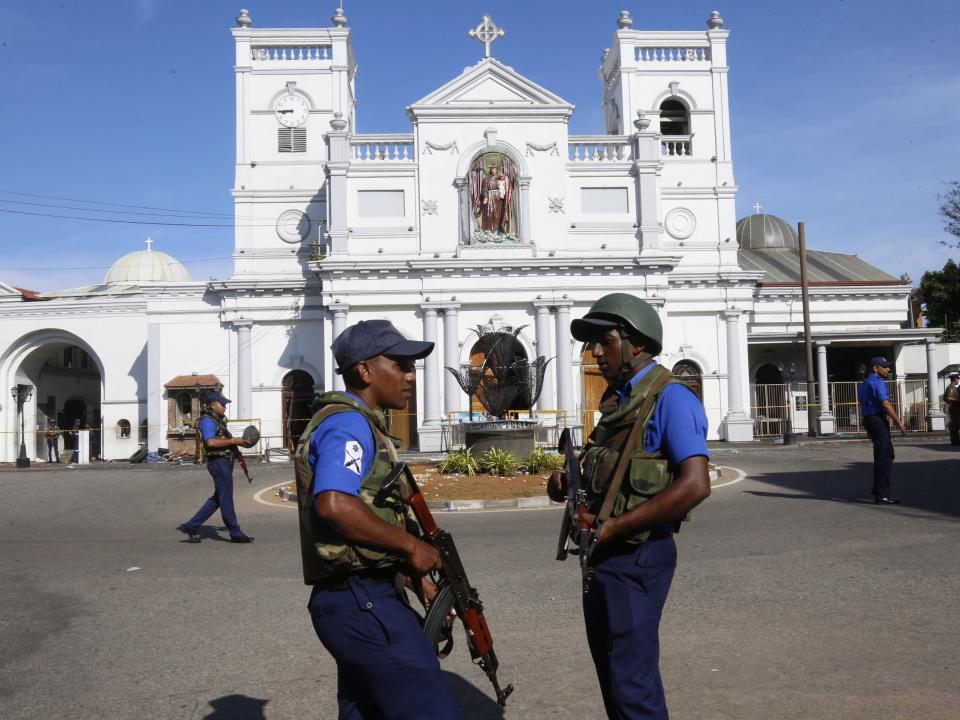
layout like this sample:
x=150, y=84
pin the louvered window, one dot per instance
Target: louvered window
x=292, y=139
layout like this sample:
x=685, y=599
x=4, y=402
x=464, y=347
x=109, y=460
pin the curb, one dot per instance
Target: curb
x=526, y=503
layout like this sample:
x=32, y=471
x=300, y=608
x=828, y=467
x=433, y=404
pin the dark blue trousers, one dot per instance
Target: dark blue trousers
x=385, y=667
x=879, y=431
x=622, y=610
x=221, y=469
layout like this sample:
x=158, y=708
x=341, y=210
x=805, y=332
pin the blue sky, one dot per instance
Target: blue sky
x=844, y=114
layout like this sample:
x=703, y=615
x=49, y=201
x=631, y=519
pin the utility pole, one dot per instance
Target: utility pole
x=807, y=341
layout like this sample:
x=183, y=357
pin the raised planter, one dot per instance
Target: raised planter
x=515, y=436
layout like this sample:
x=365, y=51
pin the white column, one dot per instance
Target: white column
x=738, y=427
x=542, y=328
x=244, y=369
x=825, y=418
x=565, y=366
x=156, y=404
x=935, y=418
x=525, y=209
x=340, y=313
x=431, y=430
x=454, y=398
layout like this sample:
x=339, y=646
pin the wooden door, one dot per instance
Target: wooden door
x=594, y=385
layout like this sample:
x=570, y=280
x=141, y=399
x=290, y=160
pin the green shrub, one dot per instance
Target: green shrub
x=462, y=462
x=498, y=462
x=541, y=461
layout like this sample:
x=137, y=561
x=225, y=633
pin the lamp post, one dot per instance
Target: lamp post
x=789, y=438
x=22, y=393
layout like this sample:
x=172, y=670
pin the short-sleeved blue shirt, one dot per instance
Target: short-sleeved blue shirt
x=871, y=394
x=207, y=428
x=341, y=452
x=678, y=425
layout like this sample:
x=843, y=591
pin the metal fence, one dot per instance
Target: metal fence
x=773, y=405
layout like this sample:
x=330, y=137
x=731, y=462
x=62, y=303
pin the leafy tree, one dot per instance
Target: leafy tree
x=950, y=210
x=940, y=290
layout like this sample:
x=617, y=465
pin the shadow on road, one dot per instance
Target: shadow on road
x=237, y=707
x=930, y=486
x=473, y=704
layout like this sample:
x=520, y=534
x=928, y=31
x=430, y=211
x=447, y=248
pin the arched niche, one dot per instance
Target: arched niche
x=493, y=188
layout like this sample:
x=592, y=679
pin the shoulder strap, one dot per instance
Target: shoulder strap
x=613, y=489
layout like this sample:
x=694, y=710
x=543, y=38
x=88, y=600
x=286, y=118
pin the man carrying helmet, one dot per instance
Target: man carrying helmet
x=658, y=425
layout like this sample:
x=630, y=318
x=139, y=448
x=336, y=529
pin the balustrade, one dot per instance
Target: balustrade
x=290, y=53
x=671, y=54
x=382, y=148
x=601, y=148
x=676, y=145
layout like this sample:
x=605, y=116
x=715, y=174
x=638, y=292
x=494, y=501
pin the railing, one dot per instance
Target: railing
x=773, y=405
x=599, y=148
x=382, y=148
x=671, y=54
x=290, y=53
x=552, y=422
x=676, y=145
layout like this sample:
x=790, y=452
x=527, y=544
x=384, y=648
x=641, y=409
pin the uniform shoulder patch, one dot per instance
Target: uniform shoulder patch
x=352, y=456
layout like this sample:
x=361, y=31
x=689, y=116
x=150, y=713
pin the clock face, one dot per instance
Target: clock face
x=291, y=110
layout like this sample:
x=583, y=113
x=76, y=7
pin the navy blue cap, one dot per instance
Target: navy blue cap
x=369, y=338
x=214, y=396
x=881, y=361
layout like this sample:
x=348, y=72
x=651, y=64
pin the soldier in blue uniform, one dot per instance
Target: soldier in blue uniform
x=876, y=408
x=665, y=477
x=359, y=544
x=218, y=446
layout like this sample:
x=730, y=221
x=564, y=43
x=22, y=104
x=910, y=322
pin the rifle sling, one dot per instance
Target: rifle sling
x=623, y=462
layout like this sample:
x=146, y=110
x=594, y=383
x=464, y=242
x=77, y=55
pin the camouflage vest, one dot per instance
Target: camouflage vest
x=210, y=453
x=648, y=473
x=325, y=553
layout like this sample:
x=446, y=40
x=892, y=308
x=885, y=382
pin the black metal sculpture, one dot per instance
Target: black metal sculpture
x=505, y=379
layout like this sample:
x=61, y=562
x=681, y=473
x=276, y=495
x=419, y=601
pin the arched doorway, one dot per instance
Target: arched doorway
x=510, y=357
x=297, y=397
x=691, y=375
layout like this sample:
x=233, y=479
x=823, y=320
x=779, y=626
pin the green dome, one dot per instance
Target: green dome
x=761, y=232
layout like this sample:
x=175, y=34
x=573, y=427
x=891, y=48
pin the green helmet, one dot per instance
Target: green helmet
x=629, y=313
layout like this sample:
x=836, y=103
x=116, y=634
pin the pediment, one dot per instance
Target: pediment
x=490, y=83
x=9, y=290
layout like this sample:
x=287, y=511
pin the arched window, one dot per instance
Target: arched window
x=184, y=409
x=123, y=429
x=690, y=374
x=675, y=129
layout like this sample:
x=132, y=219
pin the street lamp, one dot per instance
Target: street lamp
x=789, y=438
x=22, y=393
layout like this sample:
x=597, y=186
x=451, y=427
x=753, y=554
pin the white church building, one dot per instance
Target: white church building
x=487, y=213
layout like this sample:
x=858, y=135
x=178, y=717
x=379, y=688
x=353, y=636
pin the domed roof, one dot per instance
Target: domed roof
x=762, y=231
x=147, y=266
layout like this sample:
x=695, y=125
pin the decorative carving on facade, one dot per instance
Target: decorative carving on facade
x=680, y=223
x=293, y=226
x=428, y=207
x=556, y=205
x=429, y=147
x=551, y=147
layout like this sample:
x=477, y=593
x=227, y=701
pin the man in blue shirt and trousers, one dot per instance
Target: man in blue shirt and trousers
x=644, y=469
x=876, y=408
x=218, y=445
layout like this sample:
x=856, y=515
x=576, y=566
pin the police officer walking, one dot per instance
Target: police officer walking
x=644, y=469
x=218, y=446
x=876, y=408
x=358, y=543
x=952, y=398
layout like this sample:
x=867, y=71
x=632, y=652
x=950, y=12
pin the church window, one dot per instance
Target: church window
x=292, y=140
x=68, y=358
x=123, y=429
x=690, y=374
x=84, y=360
x=184, y=409
x=674, y=118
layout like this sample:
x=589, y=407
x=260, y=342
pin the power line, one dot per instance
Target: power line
x=98, y=210
x=112, y=204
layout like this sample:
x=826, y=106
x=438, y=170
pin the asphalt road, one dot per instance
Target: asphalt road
x=794, y=598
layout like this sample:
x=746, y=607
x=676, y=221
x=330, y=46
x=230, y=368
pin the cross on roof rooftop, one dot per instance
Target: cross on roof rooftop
x=487, y=32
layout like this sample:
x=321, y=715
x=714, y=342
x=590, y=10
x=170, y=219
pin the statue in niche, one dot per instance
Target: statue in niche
x=493, y=201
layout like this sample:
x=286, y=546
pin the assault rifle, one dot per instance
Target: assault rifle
x=576, y=506
x=235, y=449
x=453, y=590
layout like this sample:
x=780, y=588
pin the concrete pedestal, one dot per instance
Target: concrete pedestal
x=738, y=429
x=936, y=423
x=825, y=424
x=431, y=438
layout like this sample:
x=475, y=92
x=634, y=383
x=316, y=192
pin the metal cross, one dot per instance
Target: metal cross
x=758, y=207
x=486, y=32
x=149, y=243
